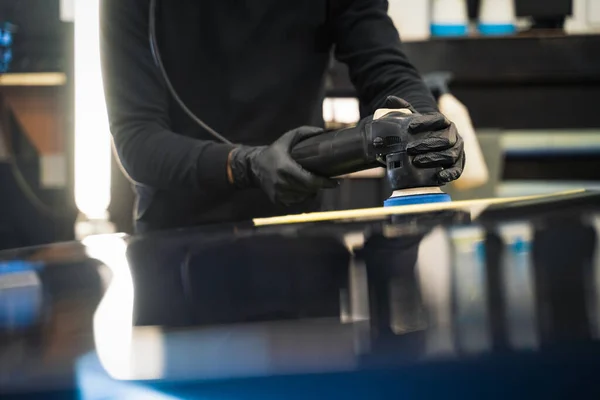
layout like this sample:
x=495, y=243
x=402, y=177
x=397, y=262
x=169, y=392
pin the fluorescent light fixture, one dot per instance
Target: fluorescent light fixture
x=92, y=136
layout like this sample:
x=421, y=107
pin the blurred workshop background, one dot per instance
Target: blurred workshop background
x=528, y=72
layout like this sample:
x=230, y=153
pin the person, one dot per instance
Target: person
x=254, y=71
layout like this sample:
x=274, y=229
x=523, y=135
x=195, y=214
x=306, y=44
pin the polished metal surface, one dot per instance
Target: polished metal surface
x=117, y=314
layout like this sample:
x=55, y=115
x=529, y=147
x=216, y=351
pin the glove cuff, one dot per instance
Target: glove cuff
x=241, y=167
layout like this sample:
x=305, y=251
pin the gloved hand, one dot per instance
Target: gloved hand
x=273, y=169
x=436, y=142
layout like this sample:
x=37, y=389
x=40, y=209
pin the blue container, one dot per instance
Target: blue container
x=448, y=30
x=496, y=29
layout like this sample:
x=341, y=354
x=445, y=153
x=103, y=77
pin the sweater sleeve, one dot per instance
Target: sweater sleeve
x=137, y=101
x=368, y=42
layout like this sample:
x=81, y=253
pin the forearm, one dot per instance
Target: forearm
x=156, y=157
x=417, y=94
x=137, y=104
x=368, y=42
x=401, y=81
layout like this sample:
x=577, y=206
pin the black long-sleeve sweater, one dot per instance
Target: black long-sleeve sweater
x=252, y=70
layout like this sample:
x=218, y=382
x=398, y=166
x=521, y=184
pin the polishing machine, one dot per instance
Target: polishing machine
x=380, y=141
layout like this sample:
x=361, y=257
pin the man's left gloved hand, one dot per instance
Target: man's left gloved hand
x=436, y=142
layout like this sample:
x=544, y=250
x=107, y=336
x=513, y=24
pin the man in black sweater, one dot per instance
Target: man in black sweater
x=254, y=71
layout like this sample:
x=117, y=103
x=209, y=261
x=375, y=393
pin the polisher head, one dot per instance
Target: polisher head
x=407, y=197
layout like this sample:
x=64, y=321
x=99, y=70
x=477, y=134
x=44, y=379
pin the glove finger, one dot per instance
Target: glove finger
x=398, y=103
x=449, y=175
x=305, y=132
x=319, y=182
x=331, y=183
x=430, y=144
x=302, y=180
x=453, y=173
x=428, y=123
x=290, y=198
x=291, y=138
x=309, y=183
x=436, y=140
x=445, y=158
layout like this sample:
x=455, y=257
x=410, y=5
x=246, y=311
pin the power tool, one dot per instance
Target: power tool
x=380, y=141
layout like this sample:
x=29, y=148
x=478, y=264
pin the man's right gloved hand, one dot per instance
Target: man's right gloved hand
x=273, y=169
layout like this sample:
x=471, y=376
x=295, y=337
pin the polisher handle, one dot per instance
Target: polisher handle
x=335, y=153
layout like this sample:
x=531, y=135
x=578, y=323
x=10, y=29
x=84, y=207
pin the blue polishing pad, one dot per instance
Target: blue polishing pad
x=417, y=199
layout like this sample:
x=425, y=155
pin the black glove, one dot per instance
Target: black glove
x=273, y=169
x=436, y=142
